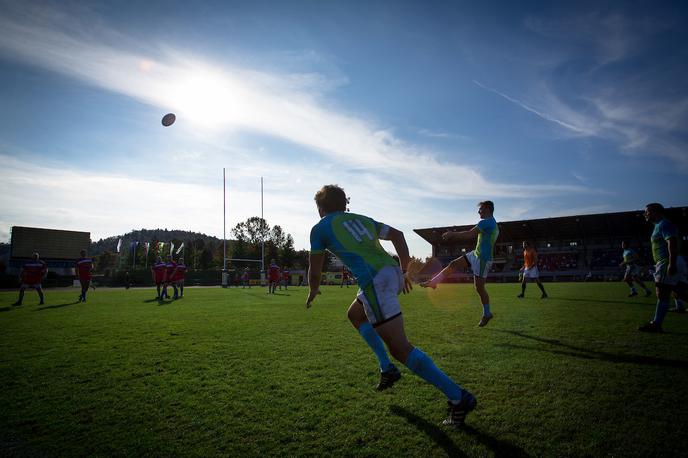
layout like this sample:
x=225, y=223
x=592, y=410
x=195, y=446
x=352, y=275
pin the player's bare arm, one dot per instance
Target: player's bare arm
x=401, y=247
x=457, y=236
x=315, y=266
x=671, y=247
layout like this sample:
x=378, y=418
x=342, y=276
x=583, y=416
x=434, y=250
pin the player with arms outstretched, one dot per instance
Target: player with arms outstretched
x=84, y=270
x=376, y=312
x=631, y=261
x=479, y=260
x=530, y=270
x=670, y=268
x=31, y=275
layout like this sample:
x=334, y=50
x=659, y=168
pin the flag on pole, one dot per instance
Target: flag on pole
x=119, y=245
x=146, y=246
x=181, y=247
x=161, y=245
x=133, y=246
x=171, y=248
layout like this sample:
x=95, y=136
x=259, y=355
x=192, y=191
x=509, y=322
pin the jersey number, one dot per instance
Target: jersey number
x=357, y=230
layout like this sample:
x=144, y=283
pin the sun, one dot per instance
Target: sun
x=205, y=98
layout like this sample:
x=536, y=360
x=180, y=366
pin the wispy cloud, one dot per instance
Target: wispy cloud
x=541, y=114
x=230, y=97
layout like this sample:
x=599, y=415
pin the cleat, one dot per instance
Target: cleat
x=485, y=319
x=633, y=294
x=521, y=296
x=544, y=296
x=16, y=304
x=428, y=284
x=388, y=378
x=651, y=327
x=457, y=412
x=41, y=303
x=79, y=300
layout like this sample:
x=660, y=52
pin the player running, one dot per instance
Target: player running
x=376, y=312
x=178, y=277
x=31, y=275
x=273, y=277
x=670, y=268
x=479, y=260
x=631, y=261
x=159, y=271
x=84, y=270
x=530, y=270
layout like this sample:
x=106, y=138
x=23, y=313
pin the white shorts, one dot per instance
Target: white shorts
x=633, y=270
x=380, y=299
x=479, y=267
x=662, y=275
x=33, y=285
x=531, y=272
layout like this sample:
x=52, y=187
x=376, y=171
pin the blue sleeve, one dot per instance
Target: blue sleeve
x=381, y=229
x=668, y=231
x=482, y=225
x=318, y=245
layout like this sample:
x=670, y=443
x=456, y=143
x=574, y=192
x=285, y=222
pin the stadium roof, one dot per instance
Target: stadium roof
x=579, y=227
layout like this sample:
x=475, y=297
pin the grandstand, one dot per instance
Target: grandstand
x=582, y=247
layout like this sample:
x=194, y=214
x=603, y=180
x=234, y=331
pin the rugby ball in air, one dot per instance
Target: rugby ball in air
x=168, y=119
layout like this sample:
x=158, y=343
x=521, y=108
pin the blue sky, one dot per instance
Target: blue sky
x=418, y=109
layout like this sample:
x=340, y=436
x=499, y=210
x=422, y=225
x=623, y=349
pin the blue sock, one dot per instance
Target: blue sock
x=422, y=365
x=375, y=343
x=486, y=309
x=661, y=310
x=633, y=289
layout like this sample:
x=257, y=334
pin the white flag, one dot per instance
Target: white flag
x=171, y=248
x=119, y=245
x=181, y=247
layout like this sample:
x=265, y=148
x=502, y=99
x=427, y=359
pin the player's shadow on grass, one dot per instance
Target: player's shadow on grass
x=439, y=435
x=584, y=353
x=5, y=309
x=56, y=306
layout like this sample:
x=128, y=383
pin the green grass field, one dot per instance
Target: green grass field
x=242, y=373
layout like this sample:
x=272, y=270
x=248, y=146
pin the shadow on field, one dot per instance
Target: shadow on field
x=585, y=353
x=594, y=301
x=56, y=306
x=5, y=309
x=441, y=438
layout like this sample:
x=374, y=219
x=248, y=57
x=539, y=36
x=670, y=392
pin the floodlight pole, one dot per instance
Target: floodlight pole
x=224, y=221
x=262, y=232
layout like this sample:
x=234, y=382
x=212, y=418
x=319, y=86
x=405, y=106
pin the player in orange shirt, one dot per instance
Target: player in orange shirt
x=530, y=269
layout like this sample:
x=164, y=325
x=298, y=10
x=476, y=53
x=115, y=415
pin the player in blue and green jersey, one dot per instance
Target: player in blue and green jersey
x=631, y=261
x=670, y=267
x=376, y=312
x=479, y=260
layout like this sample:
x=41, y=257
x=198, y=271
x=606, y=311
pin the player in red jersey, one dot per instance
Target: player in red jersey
x=345, y=277
x=170, y=265
x=178, y=277
x=159, y=271
x=31, y=275
x=285, y=277
x=273, y=277
x=84, y=271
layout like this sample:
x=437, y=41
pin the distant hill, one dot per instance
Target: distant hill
x=148, y=235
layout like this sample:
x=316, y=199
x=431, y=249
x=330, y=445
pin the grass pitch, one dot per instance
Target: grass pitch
x=238, y=372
